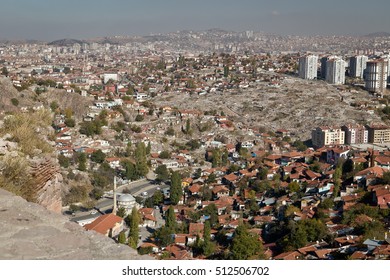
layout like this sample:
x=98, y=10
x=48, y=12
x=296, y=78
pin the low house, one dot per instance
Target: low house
x=109, y=225
x=220, y=191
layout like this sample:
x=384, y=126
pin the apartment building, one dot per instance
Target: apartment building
x=308, y=67
x=335, y=71
x=378, y=134
x=376, y=75
x=357, y=66
x=325, y=135
x=355, y=134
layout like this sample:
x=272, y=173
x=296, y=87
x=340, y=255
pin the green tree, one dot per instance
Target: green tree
x=54, y=106
x=121, y=212
x=148, y=148
x=70, y=122
x=141, y=164
x=293, y=186
x=158, y=197
x=122, y=238
x=15, y=102
x=211, y=211
x=170, y=221
x=176, y=190
x=162, y=173
x=188, y=127
x=170, y=131
x=208, y=247
x=130, y=170
x=164, y=154
x=82, y=160
x=139, y=118
x=245, y=246
x=134, y=228
x=98, y=156
x=63, y=161
x=216, y=158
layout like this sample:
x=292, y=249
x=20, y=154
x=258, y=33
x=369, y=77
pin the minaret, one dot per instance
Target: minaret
x=114, y=208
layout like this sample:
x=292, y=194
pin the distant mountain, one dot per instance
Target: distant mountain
x=377, y=34
x=65, y=42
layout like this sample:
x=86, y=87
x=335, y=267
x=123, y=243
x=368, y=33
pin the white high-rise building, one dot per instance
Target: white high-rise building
x=357, y=65
x=376, y=75
x=308, y=67
x=335, y=71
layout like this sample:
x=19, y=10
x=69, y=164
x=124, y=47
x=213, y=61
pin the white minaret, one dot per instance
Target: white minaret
x=114, y=208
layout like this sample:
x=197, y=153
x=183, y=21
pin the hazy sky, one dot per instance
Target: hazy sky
x=56, y=19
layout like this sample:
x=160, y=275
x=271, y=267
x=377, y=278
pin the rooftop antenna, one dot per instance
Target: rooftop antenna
x=114, y=209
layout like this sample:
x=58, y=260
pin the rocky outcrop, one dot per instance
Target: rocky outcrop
x=29, y=231
x=48, y=180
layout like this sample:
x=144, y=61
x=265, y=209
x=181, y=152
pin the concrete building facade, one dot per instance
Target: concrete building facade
x=308, y=67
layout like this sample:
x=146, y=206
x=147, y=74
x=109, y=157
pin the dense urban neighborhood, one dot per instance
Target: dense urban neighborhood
x=205, y=145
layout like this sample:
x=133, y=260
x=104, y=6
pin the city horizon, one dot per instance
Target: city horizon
x=43, y=22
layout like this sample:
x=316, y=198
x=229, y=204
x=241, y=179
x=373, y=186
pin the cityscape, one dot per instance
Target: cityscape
x=196, y=145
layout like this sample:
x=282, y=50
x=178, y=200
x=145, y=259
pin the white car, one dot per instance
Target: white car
x=145, y=193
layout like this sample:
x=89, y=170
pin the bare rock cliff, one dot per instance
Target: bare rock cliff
x=30, y=231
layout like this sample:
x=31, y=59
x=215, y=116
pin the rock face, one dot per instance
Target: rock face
x=29, y=231
x=46, y=174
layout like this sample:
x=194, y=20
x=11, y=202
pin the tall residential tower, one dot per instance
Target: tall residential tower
x=308, y=67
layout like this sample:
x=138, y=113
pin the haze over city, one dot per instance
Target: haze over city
x=51, y=20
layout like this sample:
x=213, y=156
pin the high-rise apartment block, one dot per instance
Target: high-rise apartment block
x=355, y=134
x=357, y=66
x=335, y=71
x=324, y=135
x=308, y=67
x=376, y=75
x=378, y=134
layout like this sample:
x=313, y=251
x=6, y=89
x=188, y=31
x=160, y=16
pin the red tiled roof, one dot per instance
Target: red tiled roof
x=104, y=223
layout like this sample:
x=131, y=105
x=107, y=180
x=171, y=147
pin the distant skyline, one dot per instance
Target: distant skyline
x=82, y=19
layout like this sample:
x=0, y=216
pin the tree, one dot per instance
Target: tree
x=54, y=106
x=293, y=187
x=122, y=238
x=211, y=211
x=130, y=170
x=4, y=71
x=141, y=164
x=98, y=156
x=188, y=127
x=164, y=155
x=63, y=161
x=170, y=220
x=15, y=102
x=139, y=118
x=170, y=131
x=82, y=160
x=176, y=190
x=134, y=230
x=148, y=148
x=208, y=247
x=158, y=197
x=162, y=173
x=121, y=212
x=245, y=246
x=216, y=158
x=70, y=122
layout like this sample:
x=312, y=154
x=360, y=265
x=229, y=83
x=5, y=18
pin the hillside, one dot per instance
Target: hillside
x=29, y=231
x=294, y=104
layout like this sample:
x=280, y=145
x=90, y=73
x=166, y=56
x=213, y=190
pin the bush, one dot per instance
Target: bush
x=15, y=102
x=139, y=118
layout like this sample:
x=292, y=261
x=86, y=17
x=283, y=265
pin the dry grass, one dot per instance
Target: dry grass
x=28, y=130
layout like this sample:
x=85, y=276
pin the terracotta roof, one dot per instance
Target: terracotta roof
x=196, y=229
x=104, y=223
x=294, y=255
